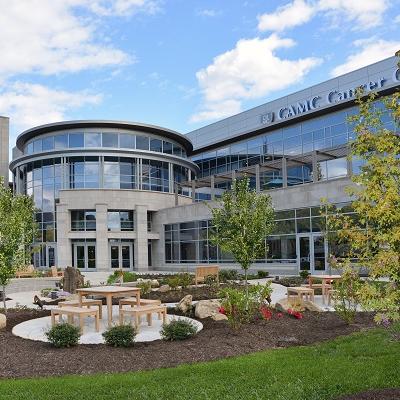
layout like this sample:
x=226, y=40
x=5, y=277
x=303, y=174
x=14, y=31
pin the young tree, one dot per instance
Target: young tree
x=241, y=223
x=373, y=237
x=17, y=230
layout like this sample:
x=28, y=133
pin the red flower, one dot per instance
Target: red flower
x=279, y=315
x=221, y=310
x=266, y=313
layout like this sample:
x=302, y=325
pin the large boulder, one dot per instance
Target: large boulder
x=164, y=288
x=207, y=308
x=219, y=317
x=185, y=304
x=283, y=305
x=3, y=321
x=73, y=279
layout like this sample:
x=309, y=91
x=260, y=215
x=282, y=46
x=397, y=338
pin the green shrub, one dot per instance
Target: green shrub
x=63, y=335
x=241, y=307
x=228, y=275
x=126, y=275
x=304, y=274
x=173, y=282
x=145, y=287
x=211, y=281
x=178, y=329
x=262, y=274
x=185, y=279
x=291, y=281
x=346, y=294
x=120, y=336
x=45, y=292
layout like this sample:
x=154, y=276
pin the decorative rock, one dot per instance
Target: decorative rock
x=3, y=321
x=219, y=317
x=207, y=308
x=283, y=305
x=73, y=279
x=164, y=288
x=155, y=283
x=185, y=304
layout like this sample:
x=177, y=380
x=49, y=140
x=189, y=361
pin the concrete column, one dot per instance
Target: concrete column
x=176, y=194
x=257, y=171
x=4, y=148
x=349, y=167
x=193, y=191
x=314, y=166
x=284, y=171
x=64, y=250
x=102, y=256
x=141, y=254
x=212, y=184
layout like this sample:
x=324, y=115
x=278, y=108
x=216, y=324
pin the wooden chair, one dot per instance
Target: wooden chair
x=300, y=292
x=27, y=272
x=72, y=312
x=137, y=311
x=85, y=303
x=203, y=272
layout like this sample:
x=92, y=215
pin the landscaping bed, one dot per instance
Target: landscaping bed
x=380, y=394
x=25, y=358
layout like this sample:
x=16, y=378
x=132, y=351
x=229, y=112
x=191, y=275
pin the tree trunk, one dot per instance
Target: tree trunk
x=4, y=299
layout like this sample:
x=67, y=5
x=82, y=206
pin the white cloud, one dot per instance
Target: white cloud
x=370, y=51
x=251, y=70
x=47, y=37
x=360, y=14
x=397, y=19
x=208, y=13
x=287, y=16
x=365, y=13
x=123, y=7
x=30, y=105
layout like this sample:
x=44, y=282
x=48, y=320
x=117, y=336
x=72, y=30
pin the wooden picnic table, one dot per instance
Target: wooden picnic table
x=109, y=292
x=326, y=280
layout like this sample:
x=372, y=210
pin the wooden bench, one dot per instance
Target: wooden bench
x=138, y=311
x=27, y=272
x=85, y=303
x=203, y=272
x=71, y=312
x=300, y=292
x=131, y=301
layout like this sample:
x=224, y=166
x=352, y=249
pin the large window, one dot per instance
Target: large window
x=120, y=220
x=189, y=242
x=83, y=172
x=119, y=173
x=106, y=139
x=155, y=175
x=83, y=220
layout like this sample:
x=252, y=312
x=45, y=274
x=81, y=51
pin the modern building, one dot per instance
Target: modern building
x=127, y=195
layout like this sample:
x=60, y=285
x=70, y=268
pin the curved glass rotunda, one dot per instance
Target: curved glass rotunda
x=97, y=181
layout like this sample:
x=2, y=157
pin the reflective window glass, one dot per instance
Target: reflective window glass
x=142, y=142
x=60, y=142
x=126, y=141
x=76, y=140
x=92, y=140
x=48, y=143
x=110, y=140
x=156, y=145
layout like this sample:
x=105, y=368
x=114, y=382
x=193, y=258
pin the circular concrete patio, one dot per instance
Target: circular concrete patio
x=35, y=329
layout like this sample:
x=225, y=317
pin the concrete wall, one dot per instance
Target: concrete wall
x=108, y=199
x=4, y=148
x=18, y=285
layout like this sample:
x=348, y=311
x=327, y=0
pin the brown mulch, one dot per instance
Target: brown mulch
x=378, y=394
x=26, y=358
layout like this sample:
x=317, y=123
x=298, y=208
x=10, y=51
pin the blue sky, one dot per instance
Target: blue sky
x=180, y=64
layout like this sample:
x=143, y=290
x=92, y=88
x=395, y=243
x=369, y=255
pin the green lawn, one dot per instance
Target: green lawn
x=346, y=365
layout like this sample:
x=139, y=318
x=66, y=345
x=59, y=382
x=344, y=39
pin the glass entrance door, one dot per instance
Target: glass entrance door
x=121, y=255
x=311, y=253
x=85, y=256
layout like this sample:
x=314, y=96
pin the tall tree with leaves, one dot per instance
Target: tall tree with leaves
x=17, y=230
x=373, y=238
x=241, y=223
